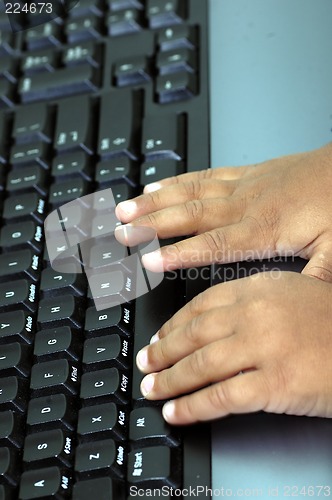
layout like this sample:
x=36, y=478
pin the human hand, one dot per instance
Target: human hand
x=258, y=343
x=277, y=208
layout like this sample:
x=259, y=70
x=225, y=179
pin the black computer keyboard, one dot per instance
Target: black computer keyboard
x=111, y=95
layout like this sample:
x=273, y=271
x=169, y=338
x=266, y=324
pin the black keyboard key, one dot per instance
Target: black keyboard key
x=51, y=412
x=108, y=489
x=42, y=60
x=55, y=283
x=26, y=234
x=19, y=294
x=59, y=342
x=24, y=207
x=152, y=467
x=11, y=426
x=148, y=425
x=27, y=178
x=116, y=5
x=72, y=164
x=116, y=137
x=177, y=37
x=9, y=466
x=61, y=83
x=16, y=326
x=67, y=190
x=132, y=71
x=86, y=7
x=154, y=171
x=53, y=447
x=72, y=133
x=7, y=93
x=124, y=22
x=165, y=12
x=108, y=350
x=33, y=123
x=113, y=287
x=115, y=170
x=60, y=311
x=99, y=458
x=15, y=360
x=117, y=319
x=43, y=36
x=55, y=376
x=108, y=251
x=14, y=392
x=107, y=420
x=84, y=28
x=121, y=191
x=86, y=52
x=163, y=137
x=177, y=60
x=176, y=87
x=49, y=482
x=8, y=68
x=30, y=153
x=21, y=264
x=105, y=385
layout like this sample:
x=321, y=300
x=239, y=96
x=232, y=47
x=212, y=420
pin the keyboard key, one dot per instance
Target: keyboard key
x=177, y=37
x=67, y=190
x=116, y=5
x=162, y=137
x=7, y=93
x=165, y=12
x=152, y=467
x=43, y=36
x=121, y=191
x=53, y=447
x=115, y=170
x=72, y=164
x=154, y=171
x=11, y=425
x=107, y=351
x=9, y=466
x=100, y=457
x=84, y=28
x=72, y=133
x=59, y=375
x=132, y=71
x=172, y=61
x=49, y=482
x=33, y=123
x=124, y=22
x=27, y=178
x=26, y=234
x=116, y=137
x=51, y=412
x=86, y=7
x=108, y=489
x=30, y=153
x=16, y=326
x=15, y=360
x=107, y=420
x=14, y=394
x=8, y=68
x=117, y=319
x=19, y=294
x=105, y=384
x=21, y=264
x=148, y=425
x=176, y=87
x=24, y=207
x=41, y=60
x=55, y=283
x=88, y=52
x=60, y=311
x=62, y=342
x=61, y=83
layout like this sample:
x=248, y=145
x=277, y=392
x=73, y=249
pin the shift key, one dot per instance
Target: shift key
x=64, y=82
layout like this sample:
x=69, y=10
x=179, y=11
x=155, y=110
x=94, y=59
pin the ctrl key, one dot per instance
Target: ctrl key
x=47, y=483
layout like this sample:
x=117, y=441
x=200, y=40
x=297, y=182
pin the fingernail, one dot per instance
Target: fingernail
x=142, y=359
x=168, y=410
x=128, y=207
x=154, y=338
x=154, y=186
x=153, y=261
x=147, y=384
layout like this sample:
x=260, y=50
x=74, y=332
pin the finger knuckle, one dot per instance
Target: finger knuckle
x=199, y=362
x=216, y=241
x=195, y=210
x=220, y=397
x=193, y=330
x=198, y=304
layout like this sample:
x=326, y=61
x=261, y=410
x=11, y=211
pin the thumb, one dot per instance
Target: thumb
x=320, y=264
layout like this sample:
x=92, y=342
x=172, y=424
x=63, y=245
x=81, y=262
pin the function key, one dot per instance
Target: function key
x=165, y=12
x=124, y=22
x=33, y=123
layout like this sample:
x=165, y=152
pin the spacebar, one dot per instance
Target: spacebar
x=64, y=82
